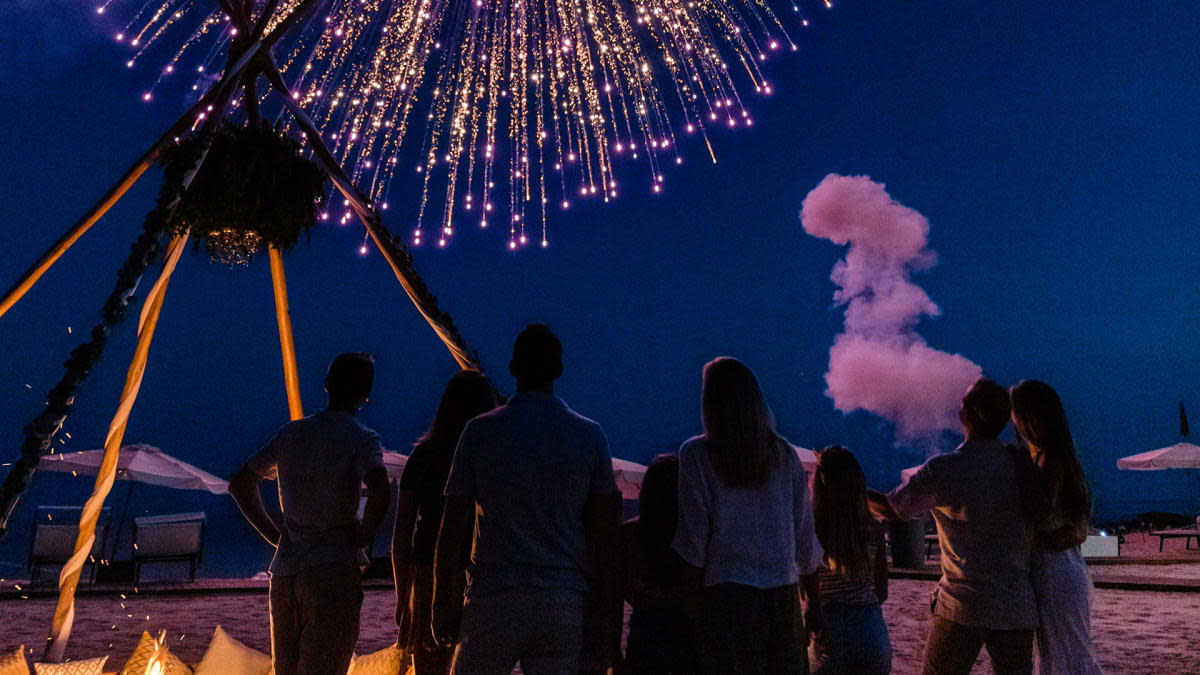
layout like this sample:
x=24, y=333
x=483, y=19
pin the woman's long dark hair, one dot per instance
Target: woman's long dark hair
x=468, y=394
x=658, y=513
x=738, y=426
x=1040, y=420
x=843, y=520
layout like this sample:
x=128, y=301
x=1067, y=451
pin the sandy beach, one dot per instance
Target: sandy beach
x=1135, y=631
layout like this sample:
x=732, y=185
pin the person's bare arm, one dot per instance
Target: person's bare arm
x=880, y=507
x=602, y=531
x=244, y=488
x=447, y=572
x=379, y=494
x=402, y=533
x=814, y=615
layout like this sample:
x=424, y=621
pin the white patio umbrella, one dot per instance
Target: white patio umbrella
x=394, y=463
x=629, y=475
x=1178, y=456
x=140, y=463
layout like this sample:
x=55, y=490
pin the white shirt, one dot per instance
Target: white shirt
x=319, y=462
x=762, y=537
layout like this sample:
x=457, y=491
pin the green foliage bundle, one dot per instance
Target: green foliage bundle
x=255, y=189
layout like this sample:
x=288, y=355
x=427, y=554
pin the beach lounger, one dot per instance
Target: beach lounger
x=177, y=537
x=1187, y=534
x=55, y=529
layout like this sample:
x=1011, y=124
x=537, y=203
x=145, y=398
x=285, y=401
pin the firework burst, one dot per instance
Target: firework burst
x=509, y=108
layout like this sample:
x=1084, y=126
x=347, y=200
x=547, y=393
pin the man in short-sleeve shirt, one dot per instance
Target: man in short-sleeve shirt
x=539, y=480
x=985, y=596
x=320, y=463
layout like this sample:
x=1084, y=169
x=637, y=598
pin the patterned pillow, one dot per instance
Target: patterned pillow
x=88, y=667
x=136, y=665
x=14, y=663
x=227, y=656
x=386, y=661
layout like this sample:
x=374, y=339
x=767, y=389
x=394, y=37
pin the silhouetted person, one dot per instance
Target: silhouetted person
x=854, y=572
x=1061, y=510
x=539, y=479
x=746, y=531
x=320, y=463
x=985, y=597
x=661, y=635
x=419, y=516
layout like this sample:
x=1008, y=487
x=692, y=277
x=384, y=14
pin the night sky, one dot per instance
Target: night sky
x=1052, y=146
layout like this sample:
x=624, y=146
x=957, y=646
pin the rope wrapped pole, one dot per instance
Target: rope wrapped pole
x=291, y=375
x=68, y=579
x=397, y=258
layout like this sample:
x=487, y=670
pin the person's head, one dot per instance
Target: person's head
x=348, y=380
x=840, y=512
x=985, y=409
x=738, y=426
x=537, y=358
x=468, y=394
x=658, y=513
x=1041, y=422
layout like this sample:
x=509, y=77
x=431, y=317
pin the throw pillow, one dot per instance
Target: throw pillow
x=227, y=656
x=88, y=667
x=136, y=665
x=14, y=663
x=386, y=661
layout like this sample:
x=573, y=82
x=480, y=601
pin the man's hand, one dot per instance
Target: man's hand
x=880, y=507
x=447, y=568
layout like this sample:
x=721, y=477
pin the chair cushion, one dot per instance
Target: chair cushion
x=88, y=667
x=14, y=663
x=136, y=665
x=227, y=656
x=386, y=661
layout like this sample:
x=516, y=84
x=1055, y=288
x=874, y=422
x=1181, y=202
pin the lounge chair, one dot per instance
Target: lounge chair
x=177, y=537
x=55, y=529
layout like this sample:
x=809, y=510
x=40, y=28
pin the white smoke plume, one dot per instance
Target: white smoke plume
x=879, y=363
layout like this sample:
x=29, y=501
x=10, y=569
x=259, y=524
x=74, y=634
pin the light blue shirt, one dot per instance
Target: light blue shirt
x=530, y=466
x=762, y=536
x=319, y=462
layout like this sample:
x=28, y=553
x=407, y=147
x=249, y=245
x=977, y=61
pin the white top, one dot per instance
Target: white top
x=761, y=537
x=319, y=462
x=530, y=466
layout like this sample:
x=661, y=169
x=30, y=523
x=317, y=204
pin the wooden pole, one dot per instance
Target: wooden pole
x=291, y=375
x=127, y=181
x=413, y=287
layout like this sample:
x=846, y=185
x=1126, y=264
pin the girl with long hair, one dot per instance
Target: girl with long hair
x=1061, y=506
x=745, y=529
x=853, y=578
x=419, y=515
x=660, y=637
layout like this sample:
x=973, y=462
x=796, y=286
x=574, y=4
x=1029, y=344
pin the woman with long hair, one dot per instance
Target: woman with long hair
x=854, y=571
x=1061, y=507
x=419, y=515
x=745, y=529
x=660, y=637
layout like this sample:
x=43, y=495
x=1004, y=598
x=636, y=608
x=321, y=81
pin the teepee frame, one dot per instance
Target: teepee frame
x=249, y=59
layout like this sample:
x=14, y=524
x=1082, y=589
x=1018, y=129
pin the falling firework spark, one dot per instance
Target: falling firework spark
x=519, y=106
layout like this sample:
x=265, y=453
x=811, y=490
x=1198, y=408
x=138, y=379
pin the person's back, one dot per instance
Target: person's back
x=539, y=480
x=534, y=463
x=984, y=539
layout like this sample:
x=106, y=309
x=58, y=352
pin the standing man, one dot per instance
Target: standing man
x=985, y=596
x=320, y=463
x=538, y=478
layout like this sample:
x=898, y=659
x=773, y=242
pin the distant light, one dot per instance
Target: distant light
x=362, y=250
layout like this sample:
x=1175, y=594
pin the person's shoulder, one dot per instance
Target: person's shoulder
x=693, y=444
x=581, y=423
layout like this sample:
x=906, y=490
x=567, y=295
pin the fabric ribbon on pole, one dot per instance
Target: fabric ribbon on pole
x=68, y=579
x=291, y=375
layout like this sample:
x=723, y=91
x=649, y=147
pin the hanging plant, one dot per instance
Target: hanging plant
x=254, y=190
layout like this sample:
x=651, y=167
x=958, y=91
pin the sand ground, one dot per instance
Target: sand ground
x=1135, y=631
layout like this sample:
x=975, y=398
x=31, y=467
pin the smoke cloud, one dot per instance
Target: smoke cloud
x=879, y=363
